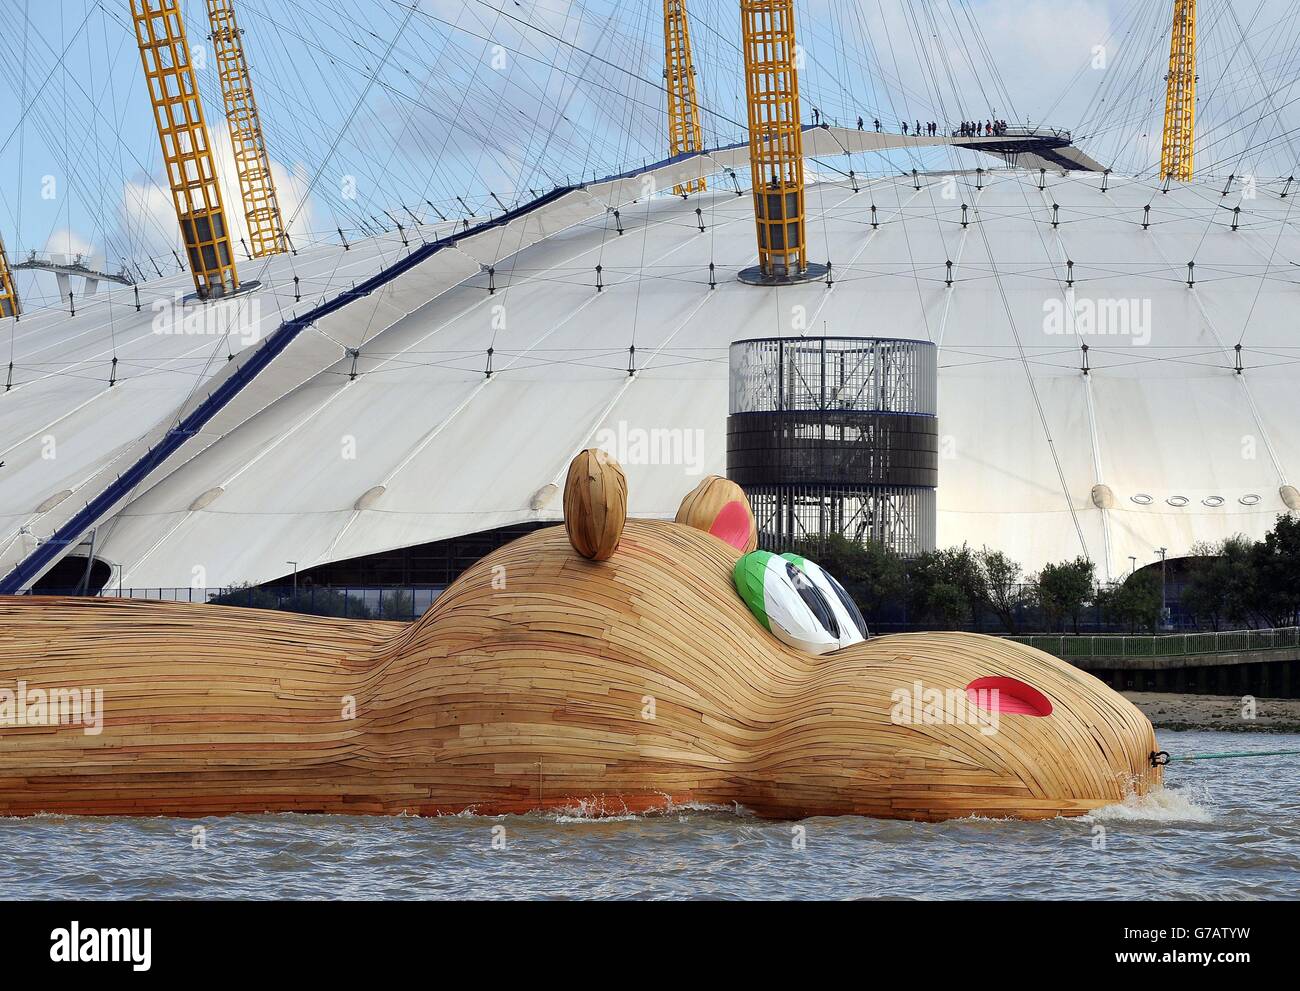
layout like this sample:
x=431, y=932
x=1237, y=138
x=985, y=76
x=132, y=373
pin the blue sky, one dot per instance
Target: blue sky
x=425, y=108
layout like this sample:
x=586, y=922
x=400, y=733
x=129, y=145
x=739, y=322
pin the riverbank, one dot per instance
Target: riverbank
x=1170, y=711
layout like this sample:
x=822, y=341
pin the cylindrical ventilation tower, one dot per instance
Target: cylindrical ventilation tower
x=837, y=435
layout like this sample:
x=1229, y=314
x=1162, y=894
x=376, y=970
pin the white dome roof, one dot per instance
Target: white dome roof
x=325, y=458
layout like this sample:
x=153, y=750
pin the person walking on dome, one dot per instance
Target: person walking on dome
x=860, y=124
x=904, y=127
x=877, y=123
x=817, y=116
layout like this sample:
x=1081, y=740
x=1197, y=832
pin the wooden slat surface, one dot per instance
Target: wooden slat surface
x=530, y=696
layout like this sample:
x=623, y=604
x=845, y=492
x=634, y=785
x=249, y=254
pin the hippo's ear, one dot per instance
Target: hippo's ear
x=790, y=606
x=720, y=507
x=853, y=626
x=595, y=504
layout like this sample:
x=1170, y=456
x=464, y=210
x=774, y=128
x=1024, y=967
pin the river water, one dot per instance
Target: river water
x=1222, y=829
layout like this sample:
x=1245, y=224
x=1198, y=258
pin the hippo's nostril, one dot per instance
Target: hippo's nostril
x=1007, y=695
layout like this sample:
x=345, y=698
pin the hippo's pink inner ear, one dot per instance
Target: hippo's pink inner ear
x=1008, y=695
x=733, y=524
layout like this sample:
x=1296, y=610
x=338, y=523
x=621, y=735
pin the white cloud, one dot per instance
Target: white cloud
x=147, y=211
x=1036, y=48
x=70, y=245
x=1040, y=45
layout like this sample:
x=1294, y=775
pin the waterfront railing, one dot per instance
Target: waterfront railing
x=1170, y=645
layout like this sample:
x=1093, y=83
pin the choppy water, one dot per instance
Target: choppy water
x=1221, y=829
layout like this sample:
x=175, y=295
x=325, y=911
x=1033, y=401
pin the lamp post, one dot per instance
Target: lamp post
x=295, y=577
x=1164, y=580
x=1133, y=564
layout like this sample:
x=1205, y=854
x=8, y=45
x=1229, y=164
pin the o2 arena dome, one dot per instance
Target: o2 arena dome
x=1115, y=360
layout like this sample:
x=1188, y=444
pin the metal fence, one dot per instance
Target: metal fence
x=403, y=603
x=1174, y=645
x=409, y=603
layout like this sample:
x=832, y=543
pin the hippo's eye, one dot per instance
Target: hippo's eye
x=852, y=625
x=787, y=602
x=813, y=599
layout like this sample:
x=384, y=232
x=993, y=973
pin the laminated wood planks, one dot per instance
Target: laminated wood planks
x=608, y=685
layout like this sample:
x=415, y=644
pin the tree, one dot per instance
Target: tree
x=314, y=602
x=398, y=604
x=1003, y=585
x=1064, y=589
x=945, y=585
x=871, y=573
x=1220, y=588
x=1134, y=603
x=1275, y=563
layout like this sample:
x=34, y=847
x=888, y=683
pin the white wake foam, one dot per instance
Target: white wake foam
x=1188, y=804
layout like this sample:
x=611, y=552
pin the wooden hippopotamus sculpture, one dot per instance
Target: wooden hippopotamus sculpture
x=620, y=670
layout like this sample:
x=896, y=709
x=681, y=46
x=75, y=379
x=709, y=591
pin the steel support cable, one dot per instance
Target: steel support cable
x=1224, y=350
x=1117, y=24
x=608, y=216
x=358, y=36
x=1033, y=386
x=56, y=141
x=429, y=436
x=1257, y=67
x=398, y=141
x=1133, y=86
x=524, y=180
x=1210, y=24
x=912, y=155
x=68, y=166
x=990, y=60
x=568, y=44
x=514, y=258
x=963, y=45
x=22, y=136
x=1210, y=223
x=288, y=128
x=562, y=110
x=1273, y=110
x=23, y=111
x=154, y=457
x=401, y=95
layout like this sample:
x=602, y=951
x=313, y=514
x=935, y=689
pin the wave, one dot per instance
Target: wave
x=1187, y=804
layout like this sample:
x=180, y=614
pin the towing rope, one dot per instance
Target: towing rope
x=1161, y=757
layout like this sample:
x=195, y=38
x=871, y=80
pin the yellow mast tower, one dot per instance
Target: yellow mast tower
x=9, y=305
x=775, y=143
x=1180, y=96
x=684, y=131
x=186, y=147
x=256, y=184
